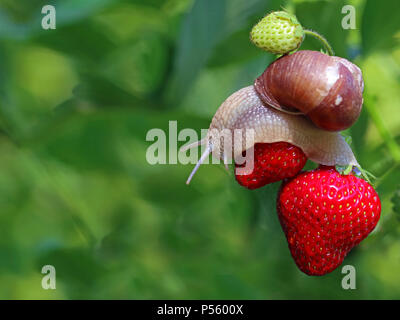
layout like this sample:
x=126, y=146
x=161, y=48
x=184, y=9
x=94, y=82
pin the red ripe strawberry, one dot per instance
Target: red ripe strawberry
x=272, y=162
x=324, y=215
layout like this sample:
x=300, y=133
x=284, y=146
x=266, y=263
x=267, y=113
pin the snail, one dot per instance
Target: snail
x=303, y=99
x=327, y=89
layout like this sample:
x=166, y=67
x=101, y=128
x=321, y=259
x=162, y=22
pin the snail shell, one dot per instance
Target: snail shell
x=327, y=89
x=245, y=110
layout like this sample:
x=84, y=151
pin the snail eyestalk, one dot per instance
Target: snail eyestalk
x=202, y=159
x=322, y=39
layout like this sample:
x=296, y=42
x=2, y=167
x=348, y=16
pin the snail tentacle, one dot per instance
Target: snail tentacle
x=203, y=157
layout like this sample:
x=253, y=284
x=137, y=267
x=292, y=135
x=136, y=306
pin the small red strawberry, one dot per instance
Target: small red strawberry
x=272, y=162
x=324, y=215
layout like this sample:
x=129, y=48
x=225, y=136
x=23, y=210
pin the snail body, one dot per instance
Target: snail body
x=244, y=110
x=327, y=89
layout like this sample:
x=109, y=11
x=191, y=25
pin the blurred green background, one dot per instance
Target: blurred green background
x=77, y=192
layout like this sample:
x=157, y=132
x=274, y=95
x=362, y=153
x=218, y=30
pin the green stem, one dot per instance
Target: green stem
x=391, y=143
x=322, y=39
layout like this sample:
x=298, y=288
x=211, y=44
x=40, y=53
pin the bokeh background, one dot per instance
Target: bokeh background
x=77, y=192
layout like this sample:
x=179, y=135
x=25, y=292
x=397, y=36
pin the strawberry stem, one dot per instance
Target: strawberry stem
x=344, y=170
x=358, y=171
x=348, y=170
x=322, y=39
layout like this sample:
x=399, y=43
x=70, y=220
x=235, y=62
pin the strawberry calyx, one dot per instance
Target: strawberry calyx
x=358, y=171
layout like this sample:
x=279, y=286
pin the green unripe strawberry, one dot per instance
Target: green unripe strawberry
x=279, y=33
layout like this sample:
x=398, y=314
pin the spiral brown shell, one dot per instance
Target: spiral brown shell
x=327, y=89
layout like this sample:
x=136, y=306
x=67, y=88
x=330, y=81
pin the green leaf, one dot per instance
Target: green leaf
x=207, y=24
x=82, y=41
x=23, y=19
x=240, y=50
x=73, y=10
x=139, y=68
x=380, y=23
x=396, y=203
x=358, y=133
